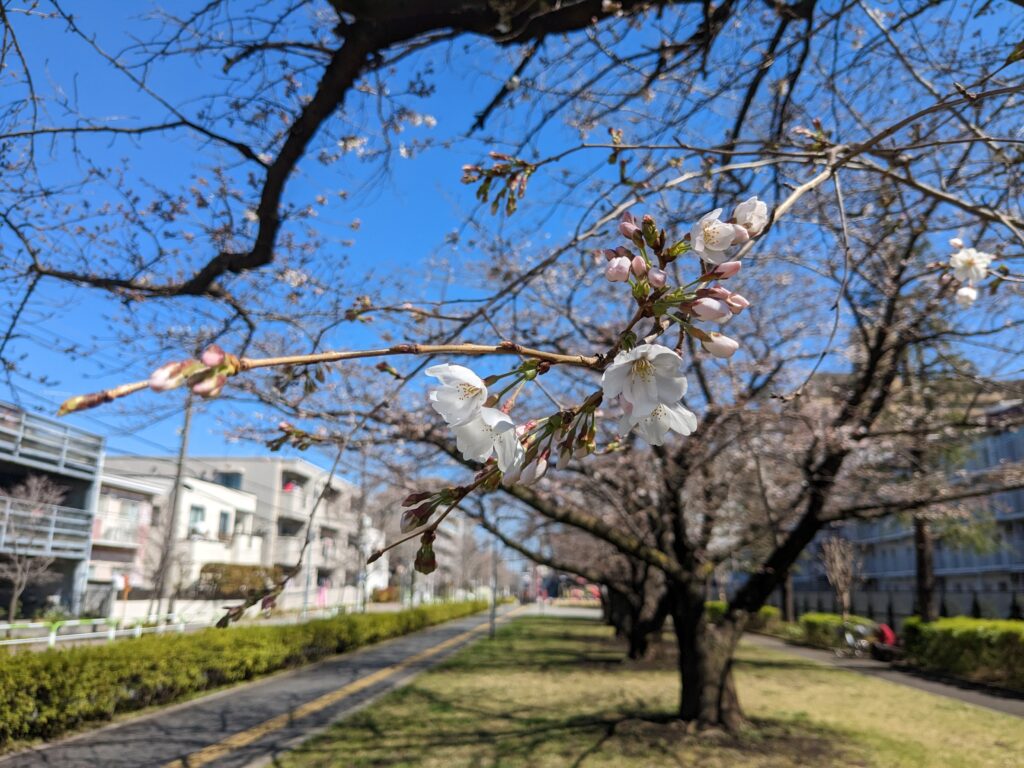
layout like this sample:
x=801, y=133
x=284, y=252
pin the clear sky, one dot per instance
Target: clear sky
x=405, y=215
x=414, y=207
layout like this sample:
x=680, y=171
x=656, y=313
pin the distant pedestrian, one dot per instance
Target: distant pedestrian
x=885, y=635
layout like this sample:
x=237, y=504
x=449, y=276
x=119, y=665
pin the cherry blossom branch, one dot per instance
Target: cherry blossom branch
x=193, y=371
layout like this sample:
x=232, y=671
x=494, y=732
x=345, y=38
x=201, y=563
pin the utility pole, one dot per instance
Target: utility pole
x=309, y=569
x=163, y=577
x=494, y=586
x=361, y=537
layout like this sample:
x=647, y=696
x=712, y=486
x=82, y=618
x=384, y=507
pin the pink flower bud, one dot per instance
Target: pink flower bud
x=210, y=386
x=712, y=309
x=737, y=303
x=629, y=229
x=956, y=242
x=618, y=269
x=726, y=270
x=740, y=235
x=639, y=266
x=414, y=518
x=167, y=377
x=609, y=254
x=720, y=345
x=535, y=471
x=657, y=277
x=715, y=292
x=213, y=356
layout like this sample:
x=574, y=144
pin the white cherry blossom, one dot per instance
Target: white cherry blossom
x=662, y=420
x=752, y=215
x=966, y=296
x=646, y=376
x=711, y=237
x=970, y=265
x=491, y=432
x=461, y=395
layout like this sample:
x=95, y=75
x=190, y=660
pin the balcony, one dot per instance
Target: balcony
x=247, y=549
x=293, y=504
x=34, y=441
x=287, y=549
x=115, y=531
x=43, y=530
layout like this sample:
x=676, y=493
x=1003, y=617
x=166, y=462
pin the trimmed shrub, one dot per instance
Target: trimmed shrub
x=384, y=595
x=823, y=629
x=231, y=581
x=982, y=650
x=714, y=610
x=47, y=693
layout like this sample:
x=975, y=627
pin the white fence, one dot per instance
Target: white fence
x=52, y=633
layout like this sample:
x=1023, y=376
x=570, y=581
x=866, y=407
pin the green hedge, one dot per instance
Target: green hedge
x=766, y=615
x=984, y=650
x=822, y=629
x=44, y=694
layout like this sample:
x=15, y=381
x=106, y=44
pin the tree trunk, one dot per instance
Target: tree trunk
x=924, y=551
x=708, y=698
x=788, y=609
x=18, y=584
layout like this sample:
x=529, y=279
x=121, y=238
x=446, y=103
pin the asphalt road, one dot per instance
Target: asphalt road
x=1008, y=703
x=252, y=723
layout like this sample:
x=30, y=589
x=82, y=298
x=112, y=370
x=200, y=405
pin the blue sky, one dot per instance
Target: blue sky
x=415, y=207
x=404, y=216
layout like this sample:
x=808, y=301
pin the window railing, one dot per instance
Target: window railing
x=43, y=530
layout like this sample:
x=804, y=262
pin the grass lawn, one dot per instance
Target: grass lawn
x=554, y=692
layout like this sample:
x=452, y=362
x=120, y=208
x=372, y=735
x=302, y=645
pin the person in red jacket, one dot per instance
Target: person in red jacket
x=884, y=648
x=885, y=635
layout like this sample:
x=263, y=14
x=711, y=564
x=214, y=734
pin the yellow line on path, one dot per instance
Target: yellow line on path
x=244, y=738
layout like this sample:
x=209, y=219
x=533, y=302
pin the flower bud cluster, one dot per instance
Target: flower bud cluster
x=206, y=376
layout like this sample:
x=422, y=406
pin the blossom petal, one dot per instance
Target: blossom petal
x=474, y=440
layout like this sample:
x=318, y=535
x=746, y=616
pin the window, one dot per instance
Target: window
x=224, y=527
x=228, y=479
x=196, y=515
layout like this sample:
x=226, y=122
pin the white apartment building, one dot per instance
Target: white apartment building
x=284, y=491
x=121, y=531
x=215, y=525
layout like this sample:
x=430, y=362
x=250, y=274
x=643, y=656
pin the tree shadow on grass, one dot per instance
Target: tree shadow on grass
x=783, y=665
x=453, y=732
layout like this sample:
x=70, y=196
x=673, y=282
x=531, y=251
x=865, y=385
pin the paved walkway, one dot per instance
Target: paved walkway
x=1010, y=704
x=252, y=723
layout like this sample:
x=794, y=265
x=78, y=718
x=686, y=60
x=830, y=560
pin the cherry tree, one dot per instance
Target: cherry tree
x=676, y=318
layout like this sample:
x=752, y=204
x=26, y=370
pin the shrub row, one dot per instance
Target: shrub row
x=823, y=629
x=983, y=650
x=47, y=693
x=766, y=616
